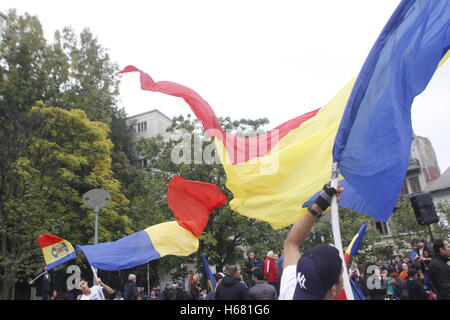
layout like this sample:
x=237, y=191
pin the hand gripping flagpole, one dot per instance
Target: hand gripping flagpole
x=337, y=232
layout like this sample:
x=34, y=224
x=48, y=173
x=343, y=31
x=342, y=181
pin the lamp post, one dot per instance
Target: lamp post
x=96, y=199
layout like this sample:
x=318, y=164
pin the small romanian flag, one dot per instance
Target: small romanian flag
x=353, y=247
x=56, y=251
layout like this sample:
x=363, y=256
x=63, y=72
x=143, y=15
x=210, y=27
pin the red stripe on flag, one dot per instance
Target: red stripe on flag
x=46, y=240
x=192, y=202
x=239, y=149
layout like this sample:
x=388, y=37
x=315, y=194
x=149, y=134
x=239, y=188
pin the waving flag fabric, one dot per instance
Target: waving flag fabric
x=192, y=202
x=273, y=174
x=179, y=238
x=209, y=275
x=353, y=247
x=56, y=251
x=374, y=139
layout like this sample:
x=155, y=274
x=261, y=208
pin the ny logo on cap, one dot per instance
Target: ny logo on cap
x=301, y=280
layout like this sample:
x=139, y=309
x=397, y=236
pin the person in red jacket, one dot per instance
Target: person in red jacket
x=271, y=273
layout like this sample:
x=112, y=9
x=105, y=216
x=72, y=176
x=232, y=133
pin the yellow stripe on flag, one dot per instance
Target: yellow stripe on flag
x=446, y=56
x=57, y=251
x=171, y=239
x=273, y=188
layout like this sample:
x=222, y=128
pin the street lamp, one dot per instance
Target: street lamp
x=96, y=199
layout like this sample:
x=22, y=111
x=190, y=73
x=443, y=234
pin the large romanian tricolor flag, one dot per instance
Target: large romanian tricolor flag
x=191, y=201
x=272, y=175
x=373, y=143
x=56, y=251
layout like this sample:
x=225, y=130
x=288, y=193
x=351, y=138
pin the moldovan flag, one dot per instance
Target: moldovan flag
x=271, y=175
x=56, y=251
x=191, y=202
x=373, y=143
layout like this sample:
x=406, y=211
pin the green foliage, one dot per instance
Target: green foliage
x=227, y=234
x=405, y=226
x=67, y=156
x=51, y=156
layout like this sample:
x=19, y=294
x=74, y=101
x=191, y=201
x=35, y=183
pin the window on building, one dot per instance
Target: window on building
x=142, y=163
x=382, y=228
x=414, y=184
x=142, y=127
x=405, y=190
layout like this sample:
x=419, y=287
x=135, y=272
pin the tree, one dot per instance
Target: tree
x=227, y=233
x=67, y=156
x=406, y=228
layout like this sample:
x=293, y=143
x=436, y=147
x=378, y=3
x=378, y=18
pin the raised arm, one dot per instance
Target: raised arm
x=303, y=226
x=108, y=289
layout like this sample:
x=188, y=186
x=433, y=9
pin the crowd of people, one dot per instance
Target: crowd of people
x=424, y=275
x=316, y=274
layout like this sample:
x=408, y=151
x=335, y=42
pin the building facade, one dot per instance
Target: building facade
x=440, y=190
x=148, y=125
x=423, y=171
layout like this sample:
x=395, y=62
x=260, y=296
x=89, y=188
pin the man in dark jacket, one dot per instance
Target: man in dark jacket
x=440, y=270
x=231, y=287
x=131, y=291
x=423, y=259
x=262, y=290
x=411, y=289
x=44, y=286
x=251, y=263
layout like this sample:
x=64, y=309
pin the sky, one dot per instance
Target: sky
x=247, y=58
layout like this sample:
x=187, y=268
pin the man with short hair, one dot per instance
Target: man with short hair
x=440, y=270
x=95, y=292
x=251, y=263
x=423, y=259
x=231, y=287
x=317, y=273
x=131, y=291
x=411, y=289
x=44, y=285
x=262, y=290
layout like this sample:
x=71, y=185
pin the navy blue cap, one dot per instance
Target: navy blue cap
x=318, y=270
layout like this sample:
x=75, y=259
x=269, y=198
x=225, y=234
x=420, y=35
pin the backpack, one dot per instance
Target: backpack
x=404, y=293
x=128, y=292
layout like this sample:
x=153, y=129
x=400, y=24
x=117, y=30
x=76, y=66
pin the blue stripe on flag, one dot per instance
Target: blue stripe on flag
x=373, y=142
x=70, y=256
x=125, y=253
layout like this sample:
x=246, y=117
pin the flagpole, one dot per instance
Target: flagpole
x=337, y=232
x=39, y=276
x=94, y=271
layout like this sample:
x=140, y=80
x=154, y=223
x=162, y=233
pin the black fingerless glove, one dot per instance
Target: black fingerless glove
x=325, y=196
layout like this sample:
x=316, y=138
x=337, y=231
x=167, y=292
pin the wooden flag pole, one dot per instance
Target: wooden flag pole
x=337, y=233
